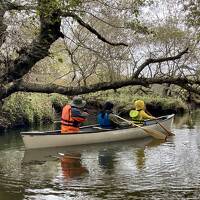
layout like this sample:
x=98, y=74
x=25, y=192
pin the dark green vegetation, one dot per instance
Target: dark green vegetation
x=123, y=100
x=22, y=109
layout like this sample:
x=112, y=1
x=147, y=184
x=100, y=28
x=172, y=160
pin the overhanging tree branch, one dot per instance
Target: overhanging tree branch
x=39, y=49
x=89, y=28
x=185, y=83
x=158, y=60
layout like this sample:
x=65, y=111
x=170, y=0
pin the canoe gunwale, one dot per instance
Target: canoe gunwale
x=58, y=132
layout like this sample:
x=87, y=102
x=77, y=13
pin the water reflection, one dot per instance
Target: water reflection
x=140, y=153
x=72, y=166
x=106, y=159
x=139, y=169
x=72, y=158
x=40, y=156
x=140, y=158
x=105, y=151
x=184, y=121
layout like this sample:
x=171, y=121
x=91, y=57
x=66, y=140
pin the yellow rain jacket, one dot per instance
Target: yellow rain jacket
x=139, y=113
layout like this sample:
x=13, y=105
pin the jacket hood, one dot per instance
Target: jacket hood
x=139, y=105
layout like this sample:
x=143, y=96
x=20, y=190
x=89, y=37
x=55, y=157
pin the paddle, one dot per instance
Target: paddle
x=169, y=133
x=166, y=130
x=153, y=133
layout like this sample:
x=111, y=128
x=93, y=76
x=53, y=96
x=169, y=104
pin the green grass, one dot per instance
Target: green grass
x=28, y=108
x=125, y=98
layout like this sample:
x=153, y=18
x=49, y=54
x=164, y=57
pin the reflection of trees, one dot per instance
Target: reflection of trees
x=186, y=119
x=11, y=182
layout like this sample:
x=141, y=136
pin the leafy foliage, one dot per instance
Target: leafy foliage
x=21, y=108
x=125, y=98
x=193, y=12
x=106, y=41
x=58, y=101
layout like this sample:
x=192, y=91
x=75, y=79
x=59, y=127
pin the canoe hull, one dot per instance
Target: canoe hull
x=33, y=141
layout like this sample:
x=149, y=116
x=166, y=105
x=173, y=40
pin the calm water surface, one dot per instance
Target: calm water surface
x=142, y=169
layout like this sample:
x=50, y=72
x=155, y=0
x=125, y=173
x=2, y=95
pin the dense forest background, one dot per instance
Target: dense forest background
x=71, y=47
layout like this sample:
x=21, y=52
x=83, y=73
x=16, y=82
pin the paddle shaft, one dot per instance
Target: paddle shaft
x=168, y=132
x=153, y=133
x=165, y=129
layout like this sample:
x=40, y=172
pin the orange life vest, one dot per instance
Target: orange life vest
x=68, y=124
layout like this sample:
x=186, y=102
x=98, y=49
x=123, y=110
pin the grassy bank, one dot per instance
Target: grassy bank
x=123, y=99
x=25, y=109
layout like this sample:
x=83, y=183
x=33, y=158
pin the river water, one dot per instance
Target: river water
x=142, y=169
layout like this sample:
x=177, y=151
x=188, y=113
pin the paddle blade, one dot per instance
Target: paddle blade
x=169, y=133
x=155, y=134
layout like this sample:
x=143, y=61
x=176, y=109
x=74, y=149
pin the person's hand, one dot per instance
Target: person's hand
x=85, y=112
x=130, y=123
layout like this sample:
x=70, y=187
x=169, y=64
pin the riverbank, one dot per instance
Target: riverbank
x=124, y=102
x=22, y=109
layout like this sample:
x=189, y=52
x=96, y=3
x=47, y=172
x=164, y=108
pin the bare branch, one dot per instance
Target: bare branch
x=89, y=28
x=52, y=88
x=158, y=60
x=99, y=19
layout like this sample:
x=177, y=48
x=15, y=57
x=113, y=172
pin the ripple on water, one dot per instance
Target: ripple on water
x=127, y=170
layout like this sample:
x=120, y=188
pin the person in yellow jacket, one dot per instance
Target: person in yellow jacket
x=139, y=115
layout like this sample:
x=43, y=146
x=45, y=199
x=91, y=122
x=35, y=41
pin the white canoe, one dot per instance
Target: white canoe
x=92, y=134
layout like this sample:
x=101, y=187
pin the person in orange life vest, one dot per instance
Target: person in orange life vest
x=73, y=115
